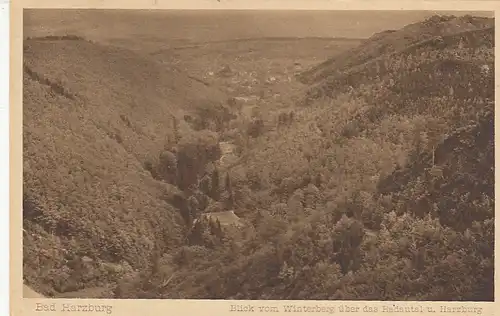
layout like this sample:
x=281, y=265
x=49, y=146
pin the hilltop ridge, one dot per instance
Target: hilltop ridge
x=392, y=41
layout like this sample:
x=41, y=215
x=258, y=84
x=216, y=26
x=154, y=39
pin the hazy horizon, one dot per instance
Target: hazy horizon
x=219, y=25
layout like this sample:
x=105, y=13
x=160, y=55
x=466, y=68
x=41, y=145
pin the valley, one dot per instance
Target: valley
x=311, y=167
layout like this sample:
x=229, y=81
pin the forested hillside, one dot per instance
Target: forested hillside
x=376, y=184
x=93, y=119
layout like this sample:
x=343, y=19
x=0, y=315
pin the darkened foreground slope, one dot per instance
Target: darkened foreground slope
x=92, y=117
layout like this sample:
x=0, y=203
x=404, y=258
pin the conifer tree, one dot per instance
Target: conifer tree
x=229, y=190
x=215, y=186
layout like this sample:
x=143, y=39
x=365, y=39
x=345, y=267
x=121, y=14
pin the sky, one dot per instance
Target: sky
x=196, y=26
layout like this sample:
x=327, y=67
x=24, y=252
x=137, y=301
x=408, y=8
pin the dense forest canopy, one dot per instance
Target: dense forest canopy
x=377, y=183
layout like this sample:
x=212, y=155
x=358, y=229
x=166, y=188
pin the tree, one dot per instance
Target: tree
x=347, y=238
x=427, y=136
x=167, y=168
x=435, y=131
x=229, y=190
x=215, y=186
x=193, y=207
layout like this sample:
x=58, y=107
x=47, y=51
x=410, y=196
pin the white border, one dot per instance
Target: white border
x=193, y=307
x=4, y=157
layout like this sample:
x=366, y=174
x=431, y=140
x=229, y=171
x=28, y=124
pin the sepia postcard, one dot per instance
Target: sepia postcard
x=253, y=157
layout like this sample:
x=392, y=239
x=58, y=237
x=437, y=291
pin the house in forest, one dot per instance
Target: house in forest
x=225, y=218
